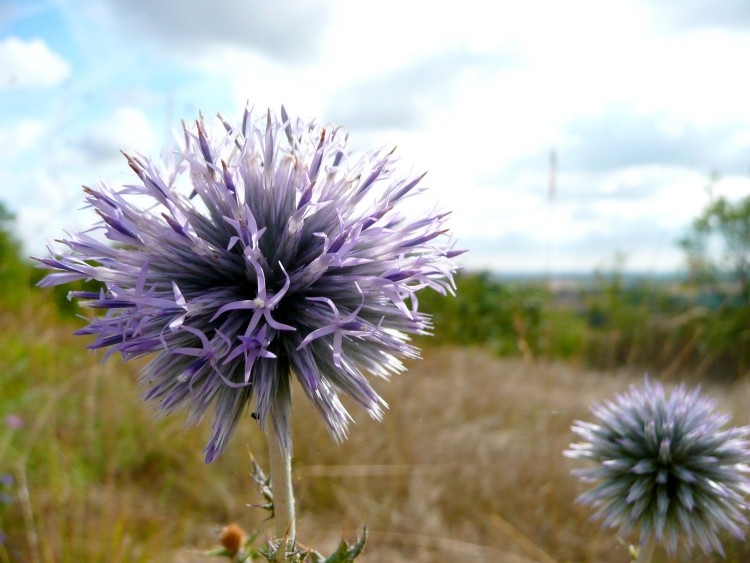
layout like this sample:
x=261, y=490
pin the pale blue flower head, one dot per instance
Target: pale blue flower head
x=266, y=251
x=667, y=463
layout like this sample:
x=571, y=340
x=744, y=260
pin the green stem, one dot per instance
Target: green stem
x=646, y=549
x=283, y=497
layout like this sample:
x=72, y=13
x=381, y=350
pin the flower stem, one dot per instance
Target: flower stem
x=646, y=549
x=283, y=498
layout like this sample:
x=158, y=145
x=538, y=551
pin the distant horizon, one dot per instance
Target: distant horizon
x=577, y=274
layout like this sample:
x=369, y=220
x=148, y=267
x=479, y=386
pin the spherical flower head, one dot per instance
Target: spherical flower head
x=666, y=463
x=242, y=260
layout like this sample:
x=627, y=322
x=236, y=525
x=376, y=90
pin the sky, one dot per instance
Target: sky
x=628, y=108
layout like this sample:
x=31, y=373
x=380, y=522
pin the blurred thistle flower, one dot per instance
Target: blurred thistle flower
x=245, y=259
x=13, y=421
x=666, y=463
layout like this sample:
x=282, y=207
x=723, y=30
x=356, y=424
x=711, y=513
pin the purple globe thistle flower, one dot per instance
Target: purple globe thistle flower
x=667, y=463
x=264, y=253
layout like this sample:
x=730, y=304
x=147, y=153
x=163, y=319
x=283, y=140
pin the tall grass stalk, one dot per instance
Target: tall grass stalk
x=646, y=549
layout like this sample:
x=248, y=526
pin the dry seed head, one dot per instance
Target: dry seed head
x=232, y=538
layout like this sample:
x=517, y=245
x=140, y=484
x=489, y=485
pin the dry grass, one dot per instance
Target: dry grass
x=467, y=465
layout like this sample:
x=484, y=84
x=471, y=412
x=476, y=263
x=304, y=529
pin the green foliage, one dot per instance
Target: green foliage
x=609, y=322
x=58, y=294
x=488, y=312
x=617, y=314
x=717, y=251
x=565, y=333
x=13, y=269
x=725, y=225
x=345, y=552
x=18, y=276
x=507, y=318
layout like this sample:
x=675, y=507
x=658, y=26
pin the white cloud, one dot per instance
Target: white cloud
x=691, y=14
x=404, y=97
x=127, y=129
x=21, y=136
x=639, y=102
x=287, y=30
x=47, y=197
x=30, y=64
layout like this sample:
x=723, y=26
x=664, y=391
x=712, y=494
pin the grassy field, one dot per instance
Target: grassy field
x=467, y=465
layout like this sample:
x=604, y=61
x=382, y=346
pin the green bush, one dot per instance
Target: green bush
x=488, y=312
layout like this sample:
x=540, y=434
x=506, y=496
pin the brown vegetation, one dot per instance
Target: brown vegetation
x=466, y=466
